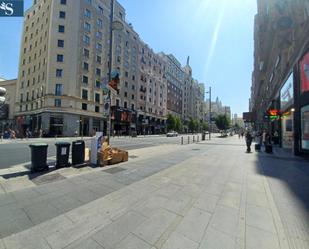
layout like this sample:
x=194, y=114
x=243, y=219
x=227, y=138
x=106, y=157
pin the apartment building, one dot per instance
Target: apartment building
x=279, y=92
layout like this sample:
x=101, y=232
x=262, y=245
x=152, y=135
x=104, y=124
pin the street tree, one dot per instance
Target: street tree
x=222, y=122
x=171, y=122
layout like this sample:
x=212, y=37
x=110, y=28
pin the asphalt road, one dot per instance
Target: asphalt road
x=18, y=152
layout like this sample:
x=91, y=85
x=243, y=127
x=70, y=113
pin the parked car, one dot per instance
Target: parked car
x=172, y=134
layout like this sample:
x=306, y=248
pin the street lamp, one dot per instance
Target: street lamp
x=114, y=25
x=209, y=92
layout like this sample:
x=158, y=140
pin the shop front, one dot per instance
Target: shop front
x=287, y=113
x=304, y=104
x=123, y=121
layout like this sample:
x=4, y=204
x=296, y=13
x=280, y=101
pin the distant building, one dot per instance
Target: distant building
x=7, y=112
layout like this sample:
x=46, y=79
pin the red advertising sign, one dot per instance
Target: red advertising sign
x=304, y=73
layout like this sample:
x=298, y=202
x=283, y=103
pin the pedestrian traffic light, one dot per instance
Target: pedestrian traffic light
x=114, y=80
x=2, y=95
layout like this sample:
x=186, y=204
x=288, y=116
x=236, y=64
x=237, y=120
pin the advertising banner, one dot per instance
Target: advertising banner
x=304, y=73
x=286, y=94
x=305, y=127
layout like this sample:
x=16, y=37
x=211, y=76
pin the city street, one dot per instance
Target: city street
x=15, y=152
x=207, y=195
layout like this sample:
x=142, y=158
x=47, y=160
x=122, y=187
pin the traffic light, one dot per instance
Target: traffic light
x=114, y=80
x=2, y=95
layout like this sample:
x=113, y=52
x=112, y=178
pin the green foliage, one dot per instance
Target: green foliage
x=178, y=124
x=171, y=122
x=205, y=126
x=222, y=122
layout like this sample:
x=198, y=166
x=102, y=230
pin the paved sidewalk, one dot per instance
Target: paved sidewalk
x=209, y=195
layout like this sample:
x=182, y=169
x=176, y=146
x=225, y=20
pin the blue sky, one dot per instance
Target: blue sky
x=216, y=34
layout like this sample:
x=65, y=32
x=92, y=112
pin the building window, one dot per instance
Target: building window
x=58, y=90
x=97, y=84
x=84, y=106
x=59, y=57
x=85, y=79
x=99, y=35
x=98, y=72
x=133, y=77
x=86, y=39
x=97, y=97
x=132, y=107
x=132, y=96
x=125, y=105
x=99, y=59
x=87, y=13
x=125, y=94
x=99, y=46
x=97, y=108
x=126, y=74
x=64, y=2
x=126, y=84
x=62, y=14
x=100, y=23
x=117, y=102
x=61, y=29
x=86, y=53
x=89, y=1
x=133, y=87
x=86, y=66
x=59, y=72
x=84, y=94
x=60, y=43
x=57, y=102
x=87, y=26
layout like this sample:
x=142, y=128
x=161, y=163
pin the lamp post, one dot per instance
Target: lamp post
x=209, y=92
x=114, y=25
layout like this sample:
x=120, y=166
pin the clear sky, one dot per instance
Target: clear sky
x=216, y=34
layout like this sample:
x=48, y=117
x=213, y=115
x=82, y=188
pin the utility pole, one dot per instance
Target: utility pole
x=210, y=113
x=108, y=128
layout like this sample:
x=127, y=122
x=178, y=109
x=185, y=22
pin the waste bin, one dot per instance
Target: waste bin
x=78, y=152
x=38, y=157
x=63, y=152
x=203, y=136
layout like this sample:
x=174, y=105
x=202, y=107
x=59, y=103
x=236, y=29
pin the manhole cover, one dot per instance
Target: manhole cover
x=133, y=156
x=43, y=179
x=114, y=170
x=195, y=149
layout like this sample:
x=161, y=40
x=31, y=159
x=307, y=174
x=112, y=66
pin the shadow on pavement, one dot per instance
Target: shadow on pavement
x=292, y=171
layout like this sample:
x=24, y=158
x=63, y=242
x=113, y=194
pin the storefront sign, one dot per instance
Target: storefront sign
x=304, y=73
x=305, y=127
x=286, y=93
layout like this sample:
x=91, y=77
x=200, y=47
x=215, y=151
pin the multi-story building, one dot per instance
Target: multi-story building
x=65, y=59
x=175, y=84
x=152, y=92
x=279, y=80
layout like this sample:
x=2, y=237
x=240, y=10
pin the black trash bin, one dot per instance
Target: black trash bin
x=63, y=152
x=203, y=136
x=78, y=152
x=38, y=157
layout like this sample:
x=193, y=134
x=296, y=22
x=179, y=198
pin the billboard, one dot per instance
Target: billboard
x=304, y=73
x=305, y=127
x=286, y=93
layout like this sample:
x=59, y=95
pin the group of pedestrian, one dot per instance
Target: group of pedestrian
x=13, y=134
x=264, y=138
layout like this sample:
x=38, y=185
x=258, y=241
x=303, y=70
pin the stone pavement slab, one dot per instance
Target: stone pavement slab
x=196, y=200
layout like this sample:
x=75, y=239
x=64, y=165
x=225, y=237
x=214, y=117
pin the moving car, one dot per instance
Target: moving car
x=172, y=134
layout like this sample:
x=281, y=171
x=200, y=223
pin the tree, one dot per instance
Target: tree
x=222, y=122
x=178, y=124
x=191, y=125
x=205, y=126
x=171, y=122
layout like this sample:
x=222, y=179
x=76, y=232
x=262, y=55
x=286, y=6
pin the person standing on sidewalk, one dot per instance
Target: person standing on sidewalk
x=248, y=141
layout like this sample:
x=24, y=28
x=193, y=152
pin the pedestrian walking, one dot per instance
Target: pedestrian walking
x=248, y=141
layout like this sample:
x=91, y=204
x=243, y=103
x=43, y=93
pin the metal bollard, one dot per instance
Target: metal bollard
x=198, y=138
x=188, y=140
x=181, y=140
